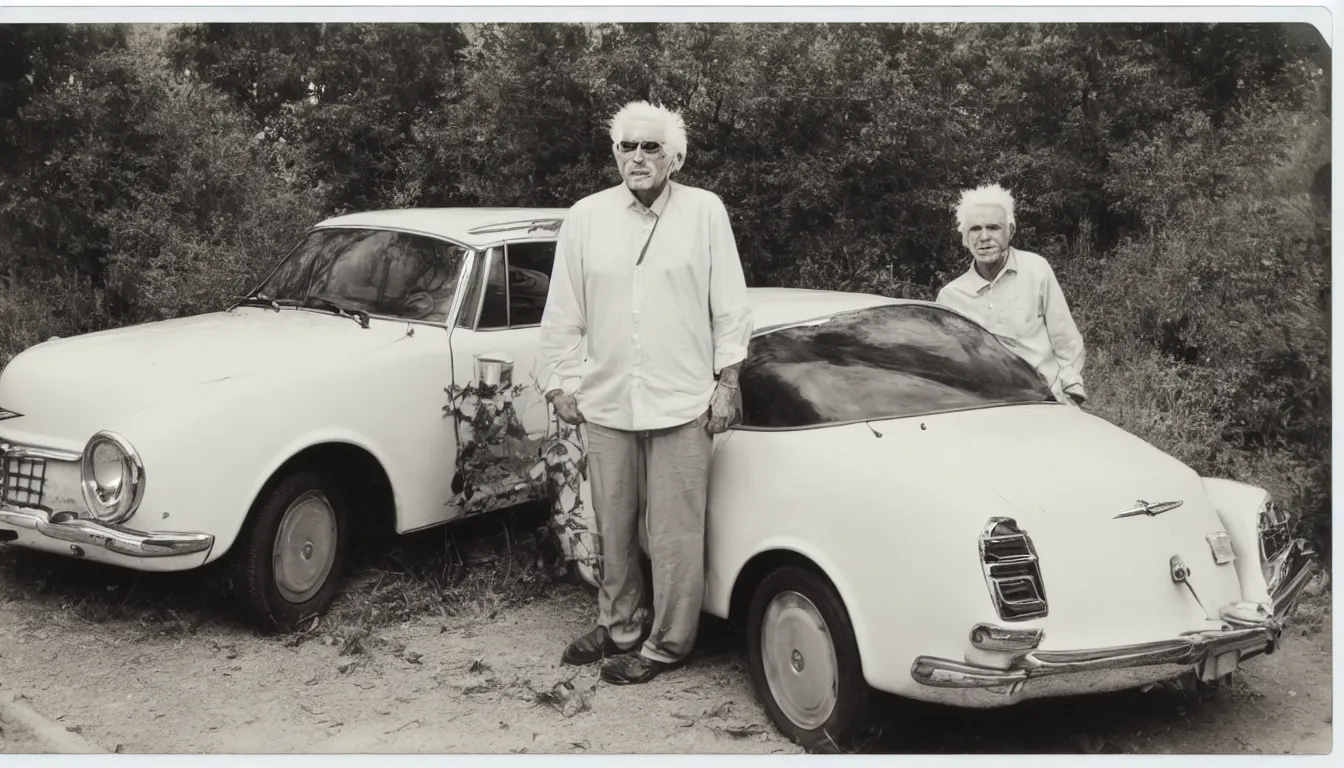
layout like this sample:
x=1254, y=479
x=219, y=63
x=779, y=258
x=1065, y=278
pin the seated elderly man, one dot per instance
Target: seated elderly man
x=1014, y=293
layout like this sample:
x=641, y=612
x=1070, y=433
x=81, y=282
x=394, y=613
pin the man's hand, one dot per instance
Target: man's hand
x=721, y=409
x=566, y=407
x=721, y=405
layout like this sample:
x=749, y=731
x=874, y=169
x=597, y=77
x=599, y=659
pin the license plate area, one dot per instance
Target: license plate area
x=1217, y=666
x=1221, y=546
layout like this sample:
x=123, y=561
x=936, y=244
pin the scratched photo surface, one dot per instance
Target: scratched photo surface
x=185, y=239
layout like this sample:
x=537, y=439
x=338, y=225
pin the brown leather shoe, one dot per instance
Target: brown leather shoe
x=596, y=644
x=635, y=668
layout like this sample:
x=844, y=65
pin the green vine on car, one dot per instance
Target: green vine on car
x=494, y=462
x=499, y=464
x=566, y=458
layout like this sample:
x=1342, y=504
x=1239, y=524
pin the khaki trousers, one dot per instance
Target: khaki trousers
x=663, y=474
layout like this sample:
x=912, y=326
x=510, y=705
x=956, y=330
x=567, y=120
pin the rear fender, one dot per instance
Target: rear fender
x=1238, y=505
x=825, y=565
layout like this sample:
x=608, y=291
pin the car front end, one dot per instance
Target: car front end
x=77, y=503
x=143, y=447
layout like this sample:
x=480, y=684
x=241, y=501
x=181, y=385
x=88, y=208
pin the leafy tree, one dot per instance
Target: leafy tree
x=346, y=94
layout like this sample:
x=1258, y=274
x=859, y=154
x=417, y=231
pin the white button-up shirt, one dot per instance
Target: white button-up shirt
x=646, y=307
x=1025, y=308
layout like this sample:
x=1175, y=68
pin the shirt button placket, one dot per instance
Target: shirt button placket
x=637, y=357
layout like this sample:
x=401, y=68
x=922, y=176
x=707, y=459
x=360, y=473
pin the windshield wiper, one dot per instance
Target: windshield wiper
x=312, y=302
x=260, y=300
x=319, y=302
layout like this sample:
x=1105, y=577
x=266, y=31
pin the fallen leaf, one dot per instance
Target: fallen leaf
x=741, y=731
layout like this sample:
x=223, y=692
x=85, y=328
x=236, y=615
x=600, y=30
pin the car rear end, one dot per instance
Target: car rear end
x=1150, y=594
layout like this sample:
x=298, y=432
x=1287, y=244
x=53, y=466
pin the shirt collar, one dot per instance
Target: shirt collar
x=977, y=283
x=659, y=205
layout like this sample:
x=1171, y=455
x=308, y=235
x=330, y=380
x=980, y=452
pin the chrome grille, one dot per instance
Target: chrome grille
x=22, y=479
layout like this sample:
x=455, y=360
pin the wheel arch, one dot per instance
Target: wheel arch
x=781, y=554
x=760, y=565
x=374, y=513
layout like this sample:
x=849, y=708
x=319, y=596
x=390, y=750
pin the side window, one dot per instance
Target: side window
x=495, y=308
x=529, y=281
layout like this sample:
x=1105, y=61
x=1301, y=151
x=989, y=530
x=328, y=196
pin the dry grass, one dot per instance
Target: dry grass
x=390, y=583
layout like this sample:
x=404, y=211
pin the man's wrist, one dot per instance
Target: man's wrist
x=728, y=376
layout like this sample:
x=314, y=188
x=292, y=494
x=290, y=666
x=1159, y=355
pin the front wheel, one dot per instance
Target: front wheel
x=804, y=660
x=292, y=553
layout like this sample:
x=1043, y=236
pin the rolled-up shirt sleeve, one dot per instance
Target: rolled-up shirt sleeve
x=730, y=309
x=1064, y=335
x=564, y=320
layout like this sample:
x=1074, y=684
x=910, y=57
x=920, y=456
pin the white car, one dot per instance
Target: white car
x=904, y=507
x=901, y=507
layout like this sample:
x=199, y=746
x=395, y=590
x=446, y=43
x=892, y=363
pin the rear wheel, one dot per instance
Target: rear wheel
x=292, y=553
x=804, y=660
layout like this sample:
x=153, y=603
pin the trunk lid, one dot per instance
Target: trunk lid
x=1066, y=475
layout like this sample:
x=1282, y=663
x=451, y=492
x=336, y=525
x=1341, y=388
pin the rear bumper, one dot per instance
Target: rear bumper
x=1038, y=674
x=114, y=545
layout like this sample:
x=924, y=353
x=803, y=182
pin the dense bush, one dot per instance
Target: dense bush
x=1167, y=171
x=147, y=195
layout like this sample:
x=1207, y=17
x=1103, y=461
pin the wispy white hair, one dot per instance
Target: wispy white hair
x=674, y=141
x=986, y=194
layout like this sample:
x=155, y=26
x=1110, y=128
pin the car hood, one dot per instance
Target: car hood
x=71, y=387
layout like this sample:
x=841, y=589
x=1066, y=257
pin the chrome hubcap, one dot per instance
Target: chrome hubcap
x=799, y=659
x=305, y=547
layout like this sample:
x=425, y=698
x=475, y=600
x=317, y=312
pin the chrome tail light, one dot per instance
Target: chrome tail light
x=1274, y=530
x=1012, y=571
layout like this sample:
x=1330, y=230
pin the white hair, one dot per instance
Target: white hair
x=674, y=141
x=986, y=194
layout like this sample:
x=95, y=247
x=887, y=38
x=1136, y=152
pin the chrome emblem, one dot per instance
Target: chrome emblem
x=1142, y=507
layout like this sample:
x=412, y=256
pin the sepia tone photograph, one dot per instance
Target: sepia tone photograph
x=474, y=387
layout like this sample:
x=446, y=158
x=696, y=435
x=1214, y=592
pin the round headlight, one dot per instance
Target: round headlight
x=112, y=477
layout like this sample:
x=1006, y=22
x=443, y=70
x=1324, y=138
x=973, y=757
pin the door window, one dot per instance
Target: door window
x=517, y=281
x=529, y=281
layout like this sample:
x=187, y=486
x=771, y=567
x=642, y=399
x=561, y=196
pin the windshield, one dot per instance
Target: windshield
x=881, y=363
x=395, y=274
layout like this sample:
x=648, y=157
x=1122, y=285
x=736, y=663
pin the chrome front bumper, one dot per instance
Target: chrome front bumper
x=83, y=538
x=1039, y=673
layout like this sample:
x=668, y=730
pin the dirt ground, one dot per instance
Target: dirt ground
x=489, y=681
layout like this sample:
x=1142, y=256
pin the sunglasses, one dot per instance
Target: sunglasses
x=649, y=147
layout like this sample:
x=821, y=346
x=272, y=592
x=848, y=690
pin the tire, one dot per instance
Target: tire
x=796, y=617
x=313, y=512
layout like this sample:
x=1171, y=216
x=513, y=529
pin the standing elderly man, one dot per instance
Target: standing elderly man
x=647, y=278
x=1014, y=293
